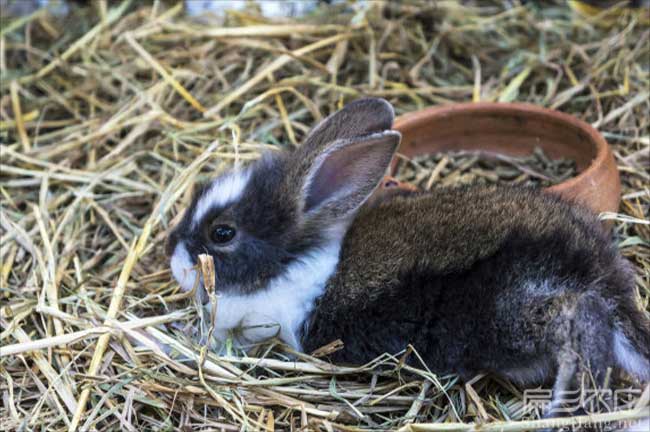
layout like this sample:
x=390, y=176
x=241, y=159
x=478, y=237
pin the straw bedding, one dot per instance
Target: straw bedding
x=111, y=114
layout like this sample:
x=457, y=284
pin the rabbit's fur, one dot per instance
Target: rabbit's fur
x=291, y=212
x=499, y=279
x=502, y=279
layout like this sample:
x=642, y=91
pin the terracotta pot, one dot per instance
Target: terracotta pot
x=516, y=129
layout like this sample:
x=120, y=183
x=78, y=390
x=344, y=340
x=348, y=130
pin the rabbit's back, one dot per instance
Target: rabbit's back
x=450, y=229
x=475, y=278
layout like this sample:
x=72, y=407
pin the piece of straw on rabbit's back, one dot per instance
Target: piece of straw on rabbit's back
x=482, y=278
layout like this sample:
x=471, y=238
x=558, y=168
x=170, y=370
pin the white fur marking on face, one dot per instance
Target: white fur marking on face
x=182, y=267
x=628, y=358
x=283, y=306
x=223, y=191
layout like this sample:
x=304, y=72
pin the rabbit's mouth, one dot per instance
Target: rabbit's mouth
x=185, y=271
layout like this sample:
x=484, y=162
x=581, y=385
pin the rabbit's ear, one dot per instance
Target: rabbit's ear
x=346, y=173
x=358, y=118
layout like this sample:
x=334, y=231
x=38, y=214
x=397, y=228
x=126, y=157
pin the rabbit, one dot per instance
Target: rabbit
x=508, y=280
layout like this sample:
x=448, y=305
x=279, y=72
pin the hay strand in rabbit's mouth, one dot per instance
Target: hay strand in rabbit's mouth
x=110, y=114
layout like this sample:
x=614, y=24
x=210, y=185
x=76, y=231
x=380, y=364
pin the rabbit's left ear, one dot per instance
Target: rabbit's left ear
x=359, y=118
x=346, y=173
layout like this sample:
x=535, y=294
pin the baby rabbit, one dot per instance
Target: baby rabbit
x=479, y=279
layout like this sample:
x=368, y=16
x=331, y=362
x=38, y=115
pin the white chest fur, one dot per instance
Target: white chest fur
x=280, y=309
x=283, y=306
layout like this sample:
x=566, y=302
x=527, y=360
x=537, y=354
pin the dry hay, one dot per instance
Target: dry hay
x=110, y=115
x=463, y=167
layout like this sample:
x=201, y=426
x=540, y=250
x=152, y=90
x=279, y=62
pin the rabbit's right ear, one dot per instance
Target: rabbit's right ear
x=345, y=174
x=343, y=160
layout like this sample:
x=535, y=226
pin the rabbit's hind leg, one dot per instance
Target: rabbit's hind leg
x=592, y=338
x=584, y=336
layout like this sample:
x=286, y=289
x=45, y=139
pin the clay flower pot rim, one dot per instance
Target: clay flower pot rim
x=597, y=175
x=403, y=121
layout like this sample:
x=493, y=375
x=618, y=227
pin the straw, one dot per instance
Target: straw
x=109, y=117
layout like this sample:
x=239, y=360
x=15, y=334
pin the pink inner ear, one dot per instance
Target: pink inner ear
x=329, y=179
x=350, y=172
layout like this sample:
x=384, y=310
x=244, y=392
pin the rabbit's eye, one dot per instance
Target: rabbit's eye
x=222, y=234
